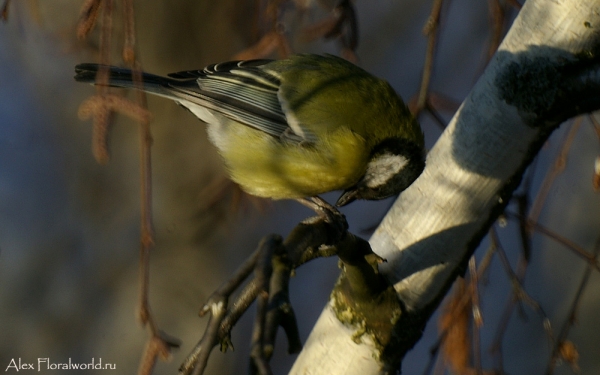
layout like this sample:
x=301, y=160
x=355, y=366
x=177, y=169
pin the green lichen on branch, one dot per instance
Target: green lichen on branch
x=362, y=298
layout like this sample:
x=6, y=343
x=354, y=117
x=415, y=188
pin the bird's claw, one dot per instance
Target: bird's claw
x=326, y=212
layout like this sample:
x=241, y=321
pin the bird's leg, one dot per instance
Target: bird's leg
x=325, y=211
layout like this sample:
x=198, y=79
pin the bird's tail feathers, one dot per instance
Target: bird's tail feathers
x=122, y=77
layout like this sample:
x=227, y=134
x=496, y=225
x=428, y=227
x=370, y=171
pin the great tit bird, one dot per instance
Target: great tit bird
x=299, y=127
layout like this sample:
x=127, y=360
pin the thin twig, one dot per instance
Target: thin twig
x=280, y=312
x=498, y=18
x=476, y=314
x=239, y=306
x=434, y=364
x=431, y=31
x=518, y=294
x=221, y=320
x=454, y=320
x=315, y=236
x=578, y=250
x=102, y=120
x=196, y=362
x=518, y=289
x=559, y=166
x=229, y=286
x=263, y=271
x=564, y=331
x=258, y=362
x=217, y=328
x=146, y=213
x=524, y=232
x=435, y=114
x=101, y=107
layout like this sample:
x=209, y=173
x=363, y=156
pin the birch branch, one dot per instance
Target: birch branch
x=546, y=70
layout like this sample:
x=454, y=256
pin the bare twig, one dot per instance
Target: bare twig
x=477, y=319
x=303, y=244
x=129, y=42
x=518, y=294
x=442, y=102
x=280, y=311
x=431, y=32
x=102, y=123
x=522, y=263
x=159, y=339
x=454, y=321
x=147, y=229
x=467, y=298
x=216, y=304
x=227, y=288
x=434, y=103
x=435, y=114
x=524, y=232
x=101, y=108
x=323, y=235
x=498, y=16
x=263, y=272
x=564, y=331
x=559, y=166
x=200, y=354
x=578, y=250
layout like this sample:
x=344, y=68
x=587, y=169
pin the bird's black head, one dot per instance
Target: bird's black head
x=394, y=165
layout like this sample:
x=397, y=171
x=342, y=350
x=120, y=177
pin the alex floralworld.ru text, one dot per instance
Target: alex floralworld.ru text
x=45, y=364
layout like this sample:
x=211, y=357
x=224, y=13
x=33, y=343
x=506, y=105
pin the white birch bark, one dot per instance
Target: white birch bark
x=436, y=223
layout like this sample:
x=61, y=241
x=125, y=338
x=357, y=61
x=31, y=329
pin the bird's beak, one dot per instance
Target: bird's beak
x=348, y=196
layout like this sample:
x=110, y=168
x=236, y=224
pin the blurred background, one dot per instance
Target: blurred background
x=70, y=227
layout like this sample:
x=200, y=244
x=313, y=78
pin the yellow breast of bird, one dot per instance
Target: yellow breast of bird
x=269, y=167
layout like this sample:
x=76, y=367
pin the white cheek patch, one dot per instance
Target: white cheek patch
x=381, y=169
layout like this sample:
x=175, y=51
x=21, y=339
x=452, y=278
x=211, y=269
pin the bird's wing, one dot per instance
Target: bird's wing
x=321, y=94
x=239, y=90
